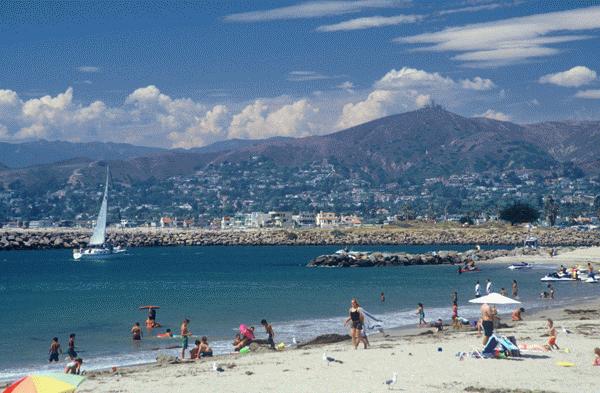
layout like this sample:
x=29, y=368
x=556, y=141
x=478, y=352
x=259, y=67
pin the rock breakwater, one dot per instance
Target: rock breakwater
x=75, y=238
x=379, y=259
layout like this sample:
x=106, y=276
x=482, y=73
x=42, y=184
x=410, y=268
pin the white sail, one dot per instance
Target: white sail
x=99, y=235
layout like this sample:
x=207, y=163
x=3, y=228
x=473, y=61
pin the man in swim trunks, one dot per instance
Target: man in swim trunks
x=54, y=350
x=185, y=334
x=487, y=322
x=136, y=332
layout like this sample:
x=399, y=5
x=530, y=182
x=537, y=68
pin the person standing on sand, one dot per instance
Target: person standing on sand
x=357, y=320
x=421, y=314
x=488, y=287
x=487, y=322
x=136, y=332
x=515, y=289
x=270, y=332
x=185, y=336
x=54, y=350
x=552, y=333
x=477, y=289
x=455, y=322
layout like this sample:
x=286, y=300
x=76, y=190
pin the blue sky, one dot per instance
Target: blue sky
x=184, y=74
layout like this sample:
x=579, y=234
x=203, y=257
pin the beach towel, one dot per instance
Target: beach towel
x=372, y=323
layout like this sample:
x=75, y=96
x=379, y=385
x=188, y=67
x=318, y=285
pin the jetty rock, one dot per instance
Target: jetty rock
x=378, y=259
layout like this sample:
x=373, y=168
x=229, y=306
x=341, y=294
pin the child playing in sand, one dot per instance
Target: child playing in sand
x=597, y=358
x=552, y=333
x=54, y=350
x=74, y=367
x=269, y=331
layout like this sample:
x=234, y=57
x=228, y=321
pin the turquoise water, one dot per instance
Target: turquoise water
x=45, y=294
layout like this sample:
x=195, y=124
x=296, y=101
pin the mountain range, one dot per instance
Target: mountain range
x=410, y=146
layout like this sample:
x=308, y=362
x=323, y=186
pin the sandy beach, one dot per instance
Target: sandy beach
x=425, y=362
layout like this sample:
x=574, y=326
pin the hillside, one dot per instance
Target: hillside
x=410, y=146
x=19, y=155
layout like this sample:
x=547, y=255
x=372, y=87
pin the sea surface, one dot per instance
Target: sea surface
x=45, y=294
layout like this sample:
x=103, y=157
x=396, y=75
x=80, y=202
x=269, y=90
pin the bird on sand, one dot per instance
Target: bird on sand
x=329, y=359
x=392, y=381
x=217, y=368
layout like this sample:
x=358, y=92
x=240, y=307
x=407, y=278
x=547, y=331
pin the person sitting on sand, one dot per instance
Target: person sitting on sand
x=421, y=314
x=195, y=352
x=439, y=325
x=205, y=349
x=357, y=320
x=74, y=367
x=237, y=342
x=597, y=358
x=552, y=333
x=516, y=315
x=136, y=332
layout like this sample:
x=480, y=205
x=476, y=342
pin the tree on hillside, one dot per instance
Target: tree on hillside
x=518, y=213
x=551, y=210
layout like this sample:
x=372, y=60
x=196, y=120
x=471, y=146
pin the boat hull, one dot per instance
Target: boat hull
x=97, y=253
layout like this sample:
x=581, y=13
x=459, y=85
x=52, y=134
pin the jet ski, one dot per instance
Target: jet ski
x=520, y=265
x=557, y=277
x=468, y=270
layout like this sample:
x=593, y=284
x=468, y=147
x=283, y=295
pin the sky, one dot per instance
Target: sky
x=187, y=74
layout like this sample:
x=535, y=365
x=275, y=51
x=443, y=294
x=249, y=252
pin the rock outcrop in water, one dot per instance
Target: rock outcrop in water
x=75, y=238
x=380, y=259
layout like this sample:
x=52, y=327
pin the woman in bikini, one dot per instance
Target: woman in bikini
x=357, y=320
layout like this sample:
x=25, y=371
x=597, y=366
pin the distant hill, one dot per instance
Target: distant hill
x=19, y=155
x=410, y=146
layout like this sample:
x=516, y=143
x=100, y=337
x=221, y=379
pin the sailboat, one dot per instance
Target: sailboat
x=98, y=248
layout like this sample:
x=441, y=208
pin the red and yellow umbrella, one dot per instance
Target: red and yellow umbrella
x=46, y=383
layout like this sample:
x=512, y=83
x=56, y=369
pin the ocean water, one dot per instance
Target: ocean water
x=45, y=294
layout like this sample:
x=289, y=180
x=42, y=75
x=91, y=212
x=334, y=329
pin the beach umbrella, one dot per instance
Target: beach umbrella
x=494, y=298
x=46, y=383
x=244, y=331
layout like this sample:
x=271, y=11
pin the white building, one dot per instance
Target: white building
x=326, y=220
x=304, y=220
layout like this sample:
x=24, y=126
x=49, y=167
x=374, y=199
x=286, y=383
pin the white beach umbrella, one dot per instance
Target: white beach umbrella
x=494, y=298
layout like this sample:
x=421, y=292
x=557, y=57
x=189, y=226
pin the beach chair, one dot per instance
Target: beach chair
x=508, y=346
x=489, y=350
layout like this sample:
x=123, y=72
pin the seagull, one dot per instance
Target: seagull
x=329, y=359
x=392, y=381
x=566, y=330
x=217, y=368
x=294, y=341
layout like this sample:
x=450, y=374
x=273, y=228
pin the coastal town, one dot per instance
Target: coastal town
x=260, y=195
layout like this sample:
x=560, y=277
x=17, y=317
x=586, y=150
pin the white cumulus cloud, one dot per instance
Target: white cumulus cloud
x=495, y=115
x=374, y=106
x=411, y=77
x=477, y=83
x=575, y=77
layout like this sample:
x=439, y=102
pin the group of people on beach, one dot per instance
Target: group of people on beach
x=201, y=348
x=74, y=365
